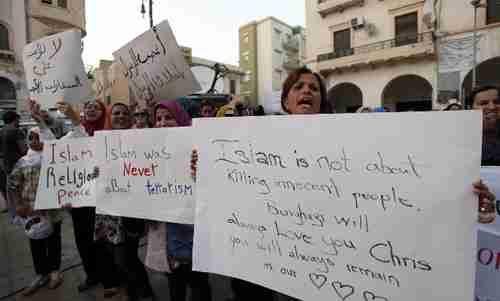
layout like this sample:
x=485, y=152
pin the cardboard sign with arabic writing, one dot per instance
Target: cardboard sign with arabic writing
x=54, y=69
x=155, y=67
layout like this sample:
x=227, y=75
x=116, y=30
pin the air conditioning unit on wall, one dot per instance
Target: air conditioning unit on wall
x=358, y=22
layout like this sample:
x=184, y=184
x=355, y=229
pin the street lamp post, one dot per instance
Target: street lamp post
x=143, y=12
x=477, y=4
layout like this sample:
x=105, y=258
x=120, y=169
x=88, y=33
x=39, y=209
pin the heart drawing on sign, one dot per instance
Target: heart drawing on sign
x=344, y=291
x=369, y=296
x=318, y=280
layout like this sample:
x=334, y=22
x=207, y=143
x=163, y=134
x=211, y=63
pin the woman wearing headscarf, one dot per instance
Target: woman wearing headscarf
x=487, y=99
x=42, y=227
x=94, y=119
x=118, y=238
x=304, y=92
x=176, y=239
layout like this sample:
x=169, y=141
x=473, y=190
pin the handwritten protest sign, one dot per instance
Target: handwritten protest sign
x=67, y=174
x=155, y=67
x=54, y=69
x=146, y=174
x=374, y=207
x=491, y=176
x=488, y=250
x=488, y=266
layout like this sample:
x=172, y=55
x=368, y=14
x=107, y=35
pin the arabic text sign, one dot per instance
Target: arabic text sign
x=67, y=174
x=146, y=174
x=54, y=69
x=155, y=66
x=301, y=205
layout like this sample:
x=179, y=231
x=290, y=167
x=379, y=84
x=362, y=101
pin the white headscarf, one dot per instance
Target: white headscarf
x=33, y=157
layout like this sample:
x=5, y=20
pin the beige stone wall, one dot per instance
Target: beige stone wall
x=458, y=16
x=379, y=14
x=54, y=16
x=372, y=82
x=370, y=69
x=109, y=85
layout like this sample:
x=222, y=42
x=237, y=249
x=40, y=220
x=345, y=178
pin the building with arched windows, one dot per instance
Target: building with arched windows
x=22, y=22
x=406, y=55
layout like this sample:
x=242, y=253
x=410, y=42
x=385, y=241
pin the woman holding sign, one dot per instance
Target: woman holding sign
x=94, y=119
x=118, y=237
x=42, y=227
x=177, y=238
x=304, y=93
x=487, y=99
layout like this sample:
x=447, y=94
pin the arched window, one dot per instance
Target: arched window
x=4, y=38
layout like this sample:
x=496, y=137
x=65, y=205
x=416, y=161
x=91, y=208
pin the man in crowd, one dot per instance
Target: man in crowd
x=207, y=109
x=13, y=147
x=56, y=126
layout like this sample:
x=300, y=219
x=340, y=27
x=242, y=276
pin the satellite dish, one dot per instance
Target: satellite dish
x=204, y=75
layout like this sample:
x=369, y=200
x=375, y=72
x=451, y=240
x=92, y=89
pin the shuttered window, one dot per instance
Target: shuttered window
x=4, y=38
x=406, y=29
x=493, y=11
x=342, y=43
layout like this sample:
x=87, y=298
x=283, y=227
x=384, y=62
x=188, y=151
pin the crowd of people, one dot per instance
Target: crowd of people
x=108, y=245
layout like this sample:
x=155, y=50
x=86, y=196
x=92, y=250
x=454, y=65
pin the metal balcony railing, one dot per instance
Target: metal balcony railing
x=399, y=41
x=291, y=44
x=8, y=56
x=291, y=64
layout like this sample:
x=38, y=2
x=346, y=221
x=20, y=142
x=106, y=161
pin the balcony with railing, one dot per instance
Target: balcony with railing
x=291, y=64
x=400, y=48
x=7, y=56
x=326, y=7
x=291, y=44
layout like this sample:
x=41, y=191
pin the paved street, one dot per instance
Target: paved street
x=16, y=270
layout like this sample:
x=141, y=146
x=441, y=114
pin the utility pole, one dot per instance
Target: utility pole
x=151, y=23
x=143, y=12
x=477, y=4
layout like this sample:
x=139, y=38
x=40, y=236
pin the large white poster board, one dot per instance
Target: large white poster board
x=488, y=253
x=67, y=174
x=155, y=67
x=54, y=69
x=146, y=174
x=371, y=207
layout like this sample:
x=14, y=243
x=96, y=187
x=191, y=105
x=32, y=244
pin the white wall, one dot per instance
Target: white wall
x=269, y=62
x=265, y=63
